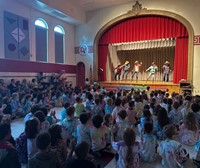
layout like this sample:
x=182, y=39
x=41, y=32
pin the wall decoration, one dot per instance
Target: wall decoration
x=83, y=50
x=16, y=37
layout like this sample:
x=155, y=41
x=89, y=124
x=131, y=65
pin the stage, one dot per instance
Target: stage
x=128, y=84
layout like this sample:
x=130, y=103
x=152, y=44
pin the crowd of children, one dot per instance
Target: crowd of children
x=134, y=126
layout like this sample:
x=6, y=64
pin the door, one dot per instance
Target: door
x=80, y=74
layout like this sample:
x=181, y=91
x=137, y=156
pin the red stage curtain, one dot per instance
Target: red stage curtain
x=102, y=57
x=181, y=59
x=138, y=29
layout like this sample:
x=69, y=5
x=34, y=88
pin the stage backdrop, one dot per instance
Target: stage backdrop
x=147, y=28
x=146, y=56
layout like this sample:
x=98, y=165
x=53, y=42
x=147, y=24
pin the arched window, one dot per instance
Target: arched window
x=41, y=30
x=59, y=44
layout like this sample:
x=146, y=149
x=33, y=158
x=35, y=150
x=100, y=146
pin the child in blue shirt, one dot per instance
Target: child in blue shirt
x=16, y=106
x=64, y=111
x=69, y=124
x=146, y=117
x=109, y=106
x=150, y=144
x=83, y=130
x=27, y=104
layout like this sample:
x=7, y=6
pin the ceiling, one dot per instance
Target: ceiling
x=90, y=5
x=71, y=11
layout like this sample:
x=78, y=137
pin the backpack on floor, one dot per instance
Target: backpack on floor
x=21, y=147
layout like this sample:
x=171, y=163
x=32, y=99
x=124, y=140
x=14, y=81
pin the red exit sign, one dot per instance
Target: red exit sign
x=197, y=40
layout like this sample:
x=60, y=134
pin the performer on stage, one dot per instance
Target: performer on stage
x=136, y=69
x=126, y=68
x=166, y=71
x=118, y=72
x=153, y=68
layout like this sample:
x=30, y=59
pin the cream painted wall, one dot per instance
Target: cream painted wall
x=96, y=19
x=15, y=7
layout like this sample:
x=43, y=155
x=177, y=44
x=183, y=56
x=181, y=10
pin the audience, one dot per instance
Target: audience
x=95, y=125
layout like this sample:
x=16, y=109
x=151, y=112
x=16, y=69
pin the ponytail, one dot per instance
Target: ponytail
x=129, y=140
x=129, y=157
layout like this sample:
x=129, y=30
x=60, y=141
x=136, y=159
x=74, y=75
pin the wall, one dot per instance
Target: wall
x=96, y=19
x=17, y=8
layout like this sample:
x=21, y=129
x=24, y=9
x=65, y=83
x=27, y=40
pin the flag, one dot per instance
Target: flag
x=90, y=75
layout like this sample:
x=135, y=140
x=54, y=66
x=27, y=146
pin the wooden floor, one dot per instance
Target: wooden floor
x=159, y=85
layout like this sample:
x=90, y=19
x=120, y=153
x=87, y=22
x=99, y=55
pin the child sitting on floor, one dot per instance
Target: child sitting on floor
x=69, y=124
x=98, y=135
x=150, y=144
x=146, y=117
x=171, y=151
x=44, y=158
x=189, y=132
x=121, y=125
x=128, y=150
x=83, y=130
x=79, y=107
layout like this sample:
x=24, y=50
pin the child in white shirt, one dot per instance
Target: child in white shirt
x=172, y=153
x=98, y=134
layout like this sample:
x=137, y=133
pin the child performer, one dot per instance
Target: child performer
x=136, y=69
x=126, y=67
x=118, y=72
x=153, y=68
x=166, y=71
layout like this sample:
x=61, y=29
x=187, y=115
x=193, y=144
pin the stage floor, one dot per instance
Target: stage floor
x=140, y=82
x=158, y=85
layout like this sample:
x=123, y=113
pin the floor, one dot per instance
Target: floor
x=17, y=127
